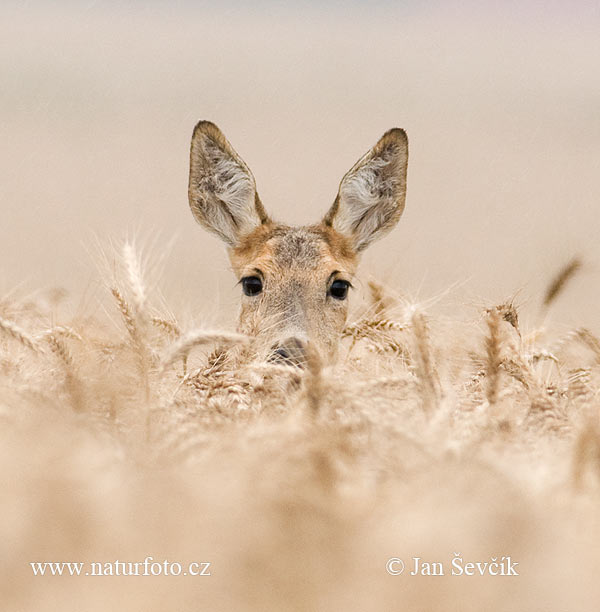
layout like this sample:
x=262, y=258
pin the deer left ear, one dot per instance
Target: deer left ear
x=371, y=196
x=222, y=192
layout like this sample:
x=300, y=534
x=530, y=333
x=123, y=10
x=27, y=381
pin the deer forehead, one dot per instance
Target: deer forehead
x=279, y=250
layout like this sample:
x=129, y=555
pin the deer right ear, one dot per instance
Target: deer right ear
x=222, y=191
x=372, y=193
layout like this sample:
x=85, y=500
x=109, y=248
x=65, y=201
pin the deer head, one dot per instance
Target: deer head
x=295, y=280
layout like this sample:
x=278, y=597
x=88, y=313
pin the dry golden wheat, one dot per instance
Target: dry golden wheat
x=306, y=479
x=559, y=282
x=493, y=359
x=14, y=331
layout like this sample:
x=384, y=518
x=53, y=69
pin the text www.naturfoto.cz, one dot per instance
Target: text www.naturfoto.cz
x=147, y=567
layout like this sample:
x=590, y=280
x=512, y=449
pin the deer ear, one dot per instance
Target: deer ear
x=222, y=192
x=371, y=196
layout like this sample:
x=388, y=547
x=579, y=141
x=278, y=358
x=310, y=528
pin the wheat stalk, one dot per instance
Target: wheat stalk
x=425, y=368
x=493, y=359
x=17, y=333
x=127, y=313
x=170, y=327
x=591, y=341
x=134, y=324
x=367, y=326
x=62, y=330
x=72, y=383
x=197, y=338
x=313, y=381
x=134, y=273
x=587, y=452
x=558, y=283
x=378, y=299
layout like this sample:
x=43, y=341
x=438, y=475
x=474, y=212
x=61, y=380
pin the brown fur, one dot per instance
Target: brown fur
x=297, y=265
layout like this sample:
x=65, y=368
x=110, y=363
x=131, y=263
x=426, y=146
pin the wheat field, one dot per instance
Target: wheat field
x=127, y=435
x=461, y=420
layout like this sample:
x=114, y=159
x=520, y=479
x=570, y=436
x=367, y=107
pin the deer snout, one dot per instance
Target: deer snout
x=291, y=351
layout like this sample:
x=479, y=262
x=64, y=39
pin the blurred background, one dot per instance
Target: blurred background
x=501, y=102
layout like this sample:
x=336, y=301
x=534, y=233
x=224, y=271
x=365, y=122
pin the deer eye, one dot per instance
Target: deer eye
x=339, y=289
x=252, y=285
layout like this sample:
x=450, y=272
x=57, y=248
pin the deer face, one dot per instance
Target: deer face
x=295, y=281
x=295, y=284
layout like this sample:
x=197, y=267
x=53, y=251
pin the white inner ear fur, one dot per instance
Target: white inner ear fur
x=231, y=183
x=371, y=197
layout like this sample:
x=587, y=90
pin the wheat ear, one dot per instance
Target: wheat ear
x=14, y=331
x=492, y=354
x=186, y=343
x=557, y=285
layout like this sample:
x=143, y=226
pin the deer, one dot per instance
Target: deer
x=295, y=281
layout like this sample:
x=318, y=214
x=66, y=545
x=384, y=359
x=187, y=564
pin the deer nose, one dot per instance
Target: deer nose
x=291, y=351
